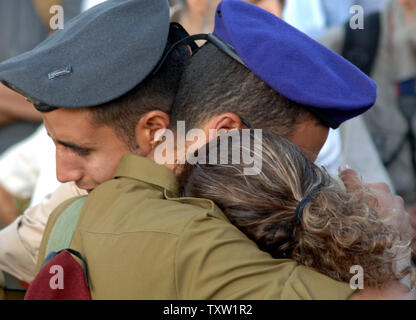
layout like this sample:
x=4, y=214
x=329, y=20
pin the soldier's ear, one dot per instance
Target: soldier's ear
x=225, y=121
x=196, y=6
x=147, y=127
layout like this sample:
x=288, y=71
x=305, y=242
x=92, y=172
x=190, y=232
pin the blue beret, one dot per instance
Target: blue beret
x=296, y=66
x=99, y=55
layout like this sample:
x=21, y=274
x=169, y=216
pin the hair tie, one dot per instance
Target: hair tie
x=299, y=209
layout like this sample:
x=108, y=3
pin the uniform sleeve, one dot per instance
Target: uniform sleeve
x=20, y=241
x=214, y=260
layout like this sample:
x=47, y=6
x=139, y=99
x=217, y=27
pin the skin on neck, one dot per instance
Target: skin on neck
x=198, y=16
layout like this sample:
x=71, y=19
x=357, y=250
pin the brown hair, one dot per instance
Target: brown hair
x=336, y=230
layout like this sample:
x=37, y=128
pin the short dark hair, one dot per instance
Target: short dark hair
x=156, y=92
x=214, y=83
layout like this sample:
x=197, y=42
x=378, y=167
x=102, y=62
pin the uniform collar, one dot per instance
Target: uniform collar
x=146, y=170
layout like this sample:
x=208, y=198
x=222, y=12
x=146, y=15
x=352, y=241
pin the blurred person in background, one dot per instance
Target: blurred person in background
x=197, y=16
x=386, y=50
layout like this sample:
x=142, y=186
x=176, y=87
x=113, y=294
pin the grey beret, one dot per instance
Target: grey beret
x=98, y=56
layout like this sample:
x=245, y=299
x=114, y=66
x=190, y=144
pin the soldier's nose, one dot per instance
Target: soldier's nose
x=67, y=170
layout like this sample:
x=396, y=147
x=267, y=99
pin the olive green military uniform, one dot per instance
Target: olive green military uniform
x=141, y=242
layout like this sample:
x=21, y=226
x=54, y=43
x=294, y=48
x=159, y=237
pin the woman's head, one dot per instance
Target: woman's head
x=336, y=230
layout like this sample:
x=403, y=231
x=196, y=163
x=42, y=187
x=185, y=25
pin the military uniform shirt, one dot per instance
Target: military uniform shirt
x=141, y=242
